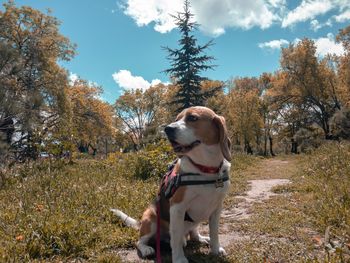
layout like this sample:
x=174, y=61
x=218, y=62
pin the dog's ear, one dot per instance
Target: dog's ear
x=225, y=142
x=180, y=115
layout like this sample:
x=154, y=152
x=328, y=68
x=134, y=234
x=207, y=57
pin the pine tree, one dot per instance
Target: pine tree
x=187, y=62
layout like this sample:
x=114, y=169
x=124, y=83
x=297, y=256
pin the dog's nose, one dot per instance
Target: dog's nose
x=170, y=131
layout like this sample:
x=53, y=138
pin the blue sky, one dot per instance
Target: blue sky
x=119, y=41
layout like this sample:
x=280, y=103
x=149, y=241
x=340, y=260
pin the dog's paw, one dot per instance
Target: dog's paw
x=146, y=251
x=184, y=242
x=203, y=239
x=219, y=251
x=180, y=260
x=199, y=238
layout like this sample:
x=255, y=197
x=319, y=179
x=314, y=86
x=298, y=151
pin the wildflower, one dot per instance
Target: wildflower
x=20, y=238
x=39, y=207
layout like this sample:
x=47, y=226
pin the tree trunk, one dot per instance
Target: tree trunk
x=326, y=128
x=271, y=146
x=258, y=146
x=294, y=147
x=248, y=148
x=7, y=127
x=83, y=148
x=94, y=150
x=265, y=144
x=106, y=147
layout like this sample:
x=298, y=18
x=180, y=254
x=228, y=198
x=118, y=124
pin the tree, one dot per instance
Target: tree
x=187, y=62
x=267, y=111
x=344, y=66
x=217, y=101
x=92, y=121
x=243, y=115
x=141, y=112
x=32, y=84
x=307, y=84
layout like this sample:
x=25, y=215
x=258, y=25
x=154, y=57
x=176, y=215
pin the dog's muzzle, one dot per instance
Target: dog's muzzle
x=178, y=148
x=170, y=133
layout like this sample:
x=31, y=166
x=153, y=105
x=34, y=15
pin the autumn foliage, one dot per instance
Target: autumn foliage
x=303, y=103
x=51, y=211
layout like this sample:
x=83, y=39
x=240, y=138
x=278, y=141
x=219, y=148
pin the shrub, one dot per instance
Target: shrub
x=150, y=162
x=309, y=139
x=328, y=177
x=340, y=124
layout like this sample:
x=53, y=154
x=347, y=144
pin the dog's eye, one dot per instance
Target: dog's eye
x=192, y=118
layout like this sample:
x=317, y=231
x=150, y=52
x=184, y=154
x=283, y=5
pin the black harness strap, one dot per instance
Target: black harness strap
x=199, y=182
x=172, y=181
x=188, y=218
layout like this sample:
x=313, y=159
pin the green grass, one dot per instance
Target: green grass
x=51, y=212
x=277, y=231
x=327, y=176
x=326, y=181
x=63, y=211
x=285, y=227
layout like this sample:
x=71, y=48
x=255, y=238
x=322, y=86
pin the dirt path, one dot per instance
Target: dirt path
x=261, y=178
x=260, y=190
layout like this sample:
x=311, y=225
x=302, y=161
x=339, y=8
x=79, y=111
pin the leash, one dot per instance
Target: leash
x=158, y=256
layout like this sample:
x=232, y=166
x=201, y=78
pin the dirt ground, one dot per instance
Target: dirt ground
x=262, y=178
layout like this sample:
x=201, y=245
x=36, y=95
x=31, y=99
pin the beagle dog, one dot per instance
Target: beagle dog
x=199, y=137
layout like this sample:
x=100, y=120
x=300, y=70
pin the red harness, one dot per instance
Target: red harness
x=206, y=169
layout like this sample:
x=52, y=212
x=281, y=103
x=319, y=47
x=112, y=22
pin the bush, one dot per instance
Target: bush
x=328, y=178
x=340, y=124
x=309, y=139
x=150, y=162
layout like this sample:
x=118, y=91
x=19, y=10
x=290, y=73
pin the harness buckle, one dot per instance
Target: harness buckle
x=219, y=182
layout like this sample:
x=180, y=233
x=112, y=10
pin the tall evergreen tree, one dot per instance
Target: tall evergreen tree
x=187, y=62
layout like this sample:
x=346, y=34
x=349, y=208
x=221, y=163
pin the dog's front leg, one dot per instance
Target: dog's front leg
x=214, y=233
x=177, y=233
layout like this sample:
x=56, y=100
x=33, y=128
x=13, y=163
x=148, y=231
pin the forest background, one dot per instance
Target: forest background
x=48, y=121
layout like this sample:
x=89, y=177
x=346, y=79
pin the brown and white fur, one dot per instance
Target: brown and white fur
x=201, y=202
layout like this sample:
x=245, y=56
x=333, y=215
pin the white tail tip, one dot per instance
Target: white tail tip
x=127, y=220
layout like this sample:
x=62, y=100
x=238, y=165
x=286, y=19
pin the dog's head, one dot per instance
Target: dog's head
x=195, y=126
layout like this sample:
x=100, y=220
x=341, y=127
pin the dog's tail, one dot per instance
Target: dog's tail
x=127, y=220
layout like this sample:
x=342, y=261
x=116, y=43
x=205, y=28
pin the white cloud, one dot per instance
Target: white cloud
x=273, y=44
x=308, y=9
x=127, y=81
x=157, y=11
x=296, y=41
x=93, y=83
x=277, y=3
x=214, y=15
x=315, y=25
x=324, y=45
x=343, y=17
x=72, y=78
x=327, y=45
